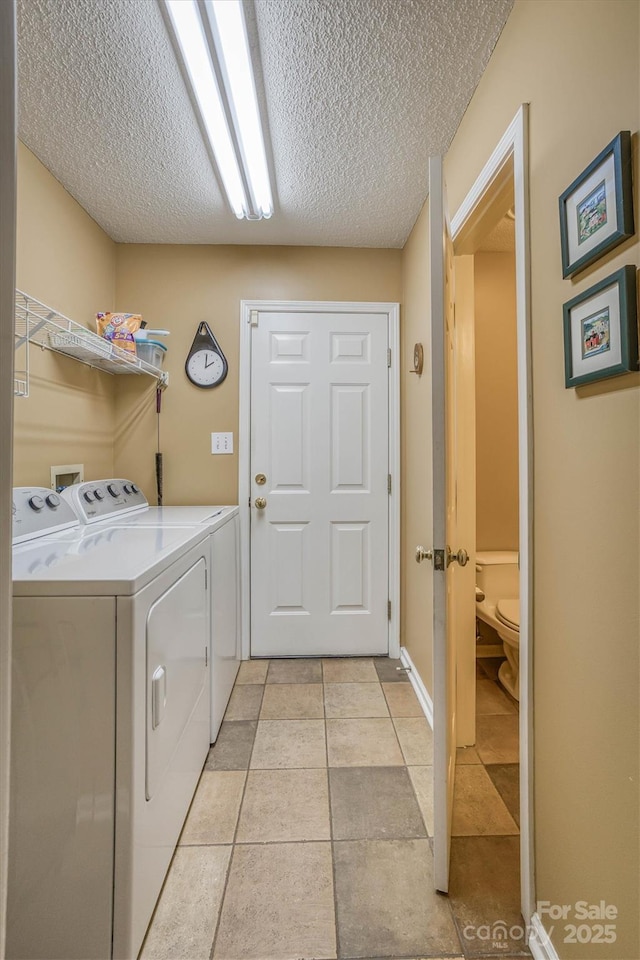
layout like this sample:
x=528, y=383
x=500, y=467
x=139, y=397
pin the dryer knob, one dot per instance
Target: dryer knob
x=113, y=489
x=36, y=503
x=127, y=488
x=88, y=496
x=53, y=500
x=98, y=493
x=134, y=489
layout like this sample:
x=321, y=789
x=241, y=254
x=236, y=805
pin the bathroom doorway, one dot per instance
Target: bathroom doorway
x=485, y=845
x=494, y=702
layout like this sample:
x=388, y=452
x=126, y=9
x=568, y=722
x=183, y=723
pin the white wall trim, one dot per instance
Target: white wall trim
x=501, y=155
x=539, y=940
x=515, y=144
x=419, y=688
x=392, y=310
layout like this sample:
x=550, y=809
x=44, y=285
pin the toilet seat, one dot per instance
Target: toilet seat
x=508, y=611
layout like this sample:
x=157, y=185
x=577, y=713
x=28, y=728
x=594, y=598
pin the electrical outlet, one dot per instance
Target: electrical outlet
x=221, y=443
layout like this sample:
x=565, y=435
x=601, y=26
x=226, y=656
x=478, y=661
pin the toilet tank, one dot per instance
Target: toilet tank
x=497, y=574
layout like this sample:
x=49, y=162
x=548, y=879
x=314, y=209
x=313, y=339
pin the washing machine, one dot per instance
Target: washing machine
x=110, y=723
x=120, y=502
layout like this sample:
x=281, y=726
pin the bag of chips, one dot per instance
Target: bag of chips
x=119, y=328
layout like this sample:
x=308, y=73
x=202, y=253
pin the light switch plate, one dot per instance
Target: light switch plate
x=222, y=443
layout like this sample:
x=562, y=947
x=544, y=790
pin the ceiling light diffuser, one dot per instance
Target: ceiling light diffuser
x=230, y=117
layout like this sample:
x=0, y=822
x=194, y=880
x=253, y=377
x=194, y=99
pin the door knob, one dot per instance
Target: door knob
x=461, y=557
x=260, y=503
x=422, y=554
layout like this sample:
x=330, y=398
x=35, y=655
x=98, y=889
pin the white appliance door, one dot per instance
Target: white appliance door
x=162, y=732
x=319, y=522
x=225, y=618
x=177, y=653
x=62, y=778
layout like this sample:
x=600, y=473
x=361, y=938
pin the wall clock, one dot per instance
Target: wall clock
x=206, y=365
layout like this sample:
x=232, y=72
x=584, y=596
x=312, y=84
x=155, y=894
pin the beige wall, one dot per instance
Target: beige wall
x=586, y=562
x=66, y=261
x=416, y=615
x=496, y=402
x=176, y=287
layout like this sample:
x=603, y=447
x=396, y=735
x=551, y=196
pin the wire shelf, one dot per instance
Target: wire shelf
x=39, y=324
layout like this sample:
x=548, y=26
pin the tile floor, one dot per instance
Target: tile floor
x=485, y=846
x=308, y=836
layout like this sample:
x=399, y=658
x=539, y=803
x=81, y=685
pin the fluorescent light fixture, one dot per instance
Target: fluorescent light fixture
x=241, y=91
x=232, y=120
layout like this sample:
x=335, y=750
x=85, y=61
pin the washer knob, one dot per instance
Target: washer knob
x=99, y=495
x=88, y=496
x=53, y=500
x=113, y=489
x=127, y=488
x=134, y=489
x=36, y=503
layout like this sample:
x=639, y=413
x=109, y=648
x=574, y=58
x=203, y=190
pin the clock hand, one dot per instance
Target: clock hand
x=207, y=363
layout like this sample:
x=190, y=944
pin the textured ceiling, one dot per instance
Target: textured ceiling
x=502, y=239
x=358, y=93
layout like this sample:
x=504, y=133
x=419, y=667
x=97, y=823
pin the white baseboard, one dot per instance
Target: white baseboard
x=539, y=940
x=419, y=688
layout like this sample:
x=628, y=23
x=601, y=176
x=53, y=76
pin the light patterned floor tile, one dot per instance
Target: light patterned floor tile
x=478, y=808
x=422, y=780
x=284, y=805
x=215, y=807
x=416, y=739
x=289, y=743
x=401, y=700
x=362, y=743
x=278, y=903
x=351, y=700
x=252, y=671
x=339, y=670
x=185, y=919
x=292, y=701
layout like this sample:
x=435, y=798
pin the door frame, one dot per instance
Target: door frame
x=249, y=308
x=8, y=147
x=514, y=148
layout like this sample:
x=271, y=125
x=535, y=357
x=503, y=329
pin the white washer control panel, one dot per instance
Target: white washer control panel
x=95, y=500
x=37, y=512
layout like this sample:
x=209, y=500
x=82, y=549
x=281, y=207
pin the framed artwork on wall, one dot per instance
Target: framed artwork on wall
x=601, y=330
x=596, y=211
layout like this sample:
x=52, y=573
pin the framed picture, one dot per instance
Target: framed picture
x=596, y=211
x=601, y=330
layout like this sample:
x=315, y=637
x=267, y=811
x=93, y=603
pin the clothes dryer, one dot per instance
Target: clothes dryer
x=121, y=502
x=111, y=724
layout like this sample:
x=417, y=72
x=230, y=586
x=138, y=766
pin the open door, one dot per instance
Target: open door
x=447, y=555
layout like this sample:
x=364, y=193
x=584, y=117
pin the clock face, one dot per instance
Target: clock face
x=206, y=368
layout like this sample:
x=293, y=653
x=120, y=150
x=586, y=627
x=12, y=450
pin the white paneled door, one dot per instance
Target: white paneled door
x=319, y=482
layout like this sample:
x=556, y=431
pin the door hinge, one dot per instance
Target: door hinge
x=388, y=356
x=388, y=609
x=388, y=483
x=206, y=656
x=249, y=501
x=206, y=578
x=253, y=318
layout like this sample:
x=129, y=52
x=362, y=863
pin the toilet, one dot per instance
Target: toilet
x=498, y=605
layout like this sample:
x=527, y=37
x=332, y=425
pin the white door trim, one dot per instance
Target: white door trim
x=515, y=145
x=392, y=310
x=8, y=146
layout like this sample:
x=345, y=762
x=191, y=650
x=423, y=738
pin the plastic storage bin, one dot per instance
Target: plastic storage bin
x=151, y=351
